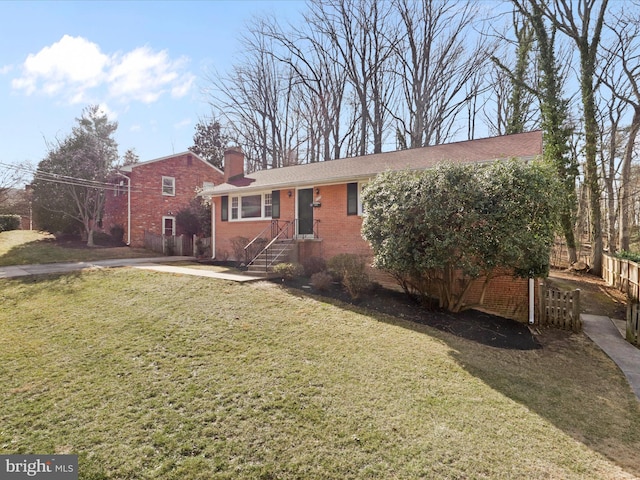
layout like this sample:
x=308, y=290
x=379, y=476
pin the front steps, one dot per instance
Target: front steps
x=263, y=264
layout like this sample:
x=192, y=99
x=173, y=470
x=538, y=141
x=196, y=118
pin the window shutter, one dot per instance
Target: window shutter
x=352, y=198
x=275, y=204
x=224, y=208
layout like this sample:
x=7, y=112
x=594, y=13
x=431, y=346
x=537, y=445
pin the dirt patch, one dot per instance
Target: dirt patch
x=596, y=297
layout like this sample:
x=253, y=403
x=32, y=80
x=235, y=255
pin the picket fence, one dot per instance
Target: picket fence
x=559, y=308
x=180, y=245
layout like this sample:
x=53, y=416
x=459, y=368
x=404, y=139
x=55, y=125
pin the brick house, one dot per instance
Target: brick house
x=317, y=206
x=159, y=189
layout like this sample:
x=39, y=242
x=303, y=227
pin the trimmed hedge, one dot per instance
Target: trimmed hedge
x=9, y=222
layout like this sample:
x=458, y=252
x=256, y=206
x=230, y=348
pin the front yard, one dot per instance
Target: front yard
x=148, y=375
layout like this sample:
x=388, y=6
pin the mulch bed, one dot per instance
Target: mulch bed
x=474, y=325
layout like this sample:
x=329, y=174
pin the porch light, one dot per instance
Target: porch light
x=317, y=190
x=289, y=193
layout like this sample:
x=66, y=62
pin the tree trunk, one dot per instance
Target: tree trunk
x=625, y=181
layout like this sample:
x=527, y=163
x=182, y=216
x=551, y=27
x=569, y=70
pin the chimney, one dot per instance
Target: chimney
x=233, y=163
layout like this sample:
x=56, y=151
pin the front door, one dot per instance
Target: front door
x=305, y=212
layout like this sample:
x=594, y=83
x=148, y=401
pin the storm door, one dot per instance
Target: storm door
x=305, y=212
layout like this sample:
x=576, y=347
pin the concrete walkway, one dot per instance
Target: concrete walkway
x=155, y=263
x=604, y=333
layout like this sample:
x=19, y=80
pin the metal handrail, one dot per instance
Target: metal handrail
x=276, y=233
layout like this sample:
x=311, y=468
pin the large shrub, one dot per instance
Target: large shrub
x=437, y=230
x=9, y=222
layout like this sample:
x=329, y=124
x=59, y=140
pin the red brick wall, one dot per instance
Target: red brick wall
x=148, y=205
x=340, y=233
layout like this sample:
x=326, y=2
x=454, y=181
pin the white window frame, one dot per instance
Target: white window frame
x=173, y=224
x=165, y=191
x=235, y=207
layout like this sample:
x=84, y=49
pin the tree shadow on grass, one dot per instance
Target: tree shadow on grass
x=562, y=377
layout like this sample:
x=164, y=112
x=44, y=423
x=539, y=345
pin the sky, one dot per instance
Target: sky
x=145, y=63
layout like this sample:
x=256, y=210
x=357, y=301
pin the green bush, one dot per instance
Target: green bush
x=631, y=256
x=288, y=271
x=350, y=270
x=321, y=281
x=9, y=222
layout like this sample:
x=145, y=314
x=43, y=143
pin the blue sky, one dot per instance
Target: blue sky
x=143, y=62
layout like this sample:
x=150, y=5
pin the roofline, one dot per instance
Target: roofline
x=219, y=192
x=130, y=167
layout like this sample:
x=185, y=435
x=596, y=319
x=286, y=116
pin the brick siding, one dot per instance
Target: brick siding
x=148, y=204
x=340, y=233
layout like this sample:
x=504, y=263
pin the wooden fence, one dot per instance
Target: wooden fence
x=633, y=323
x=177, y=245
x=559, y=308
x=622, y=274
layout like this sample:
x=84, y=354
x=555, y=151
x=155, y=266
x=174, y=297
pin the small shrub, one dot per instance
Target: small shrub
x=9, y=222
x=321, y=281
x=238, y=244
x=288, y=271
x=314, y=265
x=350, y=270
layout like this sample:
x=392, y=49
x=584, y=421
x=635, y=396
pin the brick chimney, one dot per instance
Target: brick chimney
x=233, y=163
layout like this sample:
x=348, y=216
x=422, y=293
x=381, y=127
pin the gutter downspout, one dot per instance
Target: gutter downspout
x=128, y=207
x=213, y=229
x=532, y=303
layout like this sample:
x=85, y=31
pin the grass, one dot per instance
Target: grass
x=155, y=376
x=24, y=247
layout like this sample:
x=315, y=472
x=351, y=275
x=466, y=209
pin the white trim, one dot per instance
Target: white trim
x=173, y=224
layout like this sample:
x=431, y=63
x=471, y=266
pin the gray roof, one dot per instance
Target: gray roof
x=524, y=146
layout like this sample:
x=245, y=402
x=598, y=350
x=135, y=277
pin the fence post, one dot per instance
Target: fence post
x=577, y=323
x=541, y=303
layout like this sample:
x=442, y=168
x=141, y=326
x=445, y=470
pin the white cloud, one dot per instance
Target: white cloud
x=68, y=68
x=5, y=69
x=76, y=70
x=135, y=128
x=182, y=124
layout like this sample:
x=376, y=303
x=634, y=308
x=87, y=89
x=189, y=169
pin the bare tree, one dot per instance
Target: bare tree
x=585, y=30
x=438, y=59
x=611, y=113
x=362, y=40
x=621, y=74
x=320, y=82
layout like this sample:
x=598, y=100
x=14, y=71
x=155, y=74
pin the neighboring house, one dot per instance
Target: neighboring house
x=159, y=189
x=318, y=205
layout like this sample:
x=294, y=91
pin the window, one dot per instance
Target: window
x=253, y=207
x=234, y=208
x=354, y=198
x=168, y=186
x=268, y=204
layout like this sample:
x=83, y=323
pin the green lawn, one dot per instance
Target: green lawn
x=23, y=247
x=147, y=375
